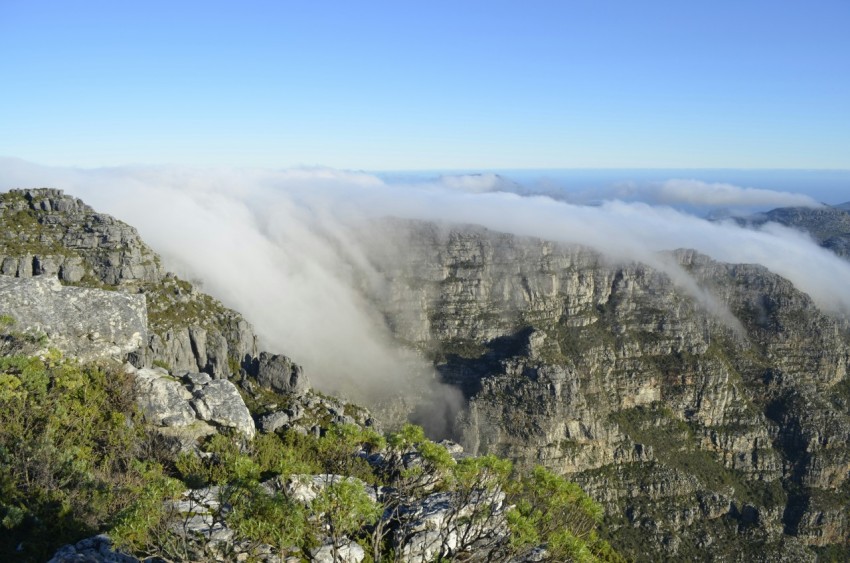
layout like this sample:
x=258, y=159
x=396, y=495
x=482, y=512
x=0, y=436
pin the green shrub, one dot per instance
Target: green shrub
x=143, y=527
x=75, y=460
x=345, y=508
x=67, y=450
x=550, y=509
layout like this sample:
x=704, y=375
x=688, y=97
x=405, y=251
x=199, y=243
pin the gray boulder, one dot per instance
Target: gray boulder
x=346, y=552
x=441, y=524
x=281, y=374
x=87, y=323
x=273, y=421
x=96, y=549
x=220, y=403
x=162, y=399
x=182, y=410
x=305, y=488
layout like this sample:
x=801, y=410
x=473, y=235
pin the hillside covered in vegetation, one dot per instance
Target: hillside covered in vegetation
x=164, y=433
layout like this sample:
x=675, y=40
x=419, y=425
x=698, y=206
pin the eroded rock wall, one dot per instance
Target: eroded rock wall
x=48, y=233
x=706, y=412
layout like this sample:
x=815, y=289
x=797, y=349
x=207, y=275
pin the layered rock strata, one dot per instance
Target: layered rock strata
x=705, y=404
x=47, y=233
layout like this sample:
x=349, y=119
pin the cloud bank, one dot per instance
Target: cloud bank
x=276, y=245
x=675, y=192
x=695, y=192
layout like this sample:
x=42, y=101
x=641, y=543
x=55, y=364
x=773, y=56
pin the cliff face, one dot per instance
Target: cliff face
x=705, y=437
x=829, y=225
x=45, y=232
x=93, y=447
x=710, y=427
x=87, y=323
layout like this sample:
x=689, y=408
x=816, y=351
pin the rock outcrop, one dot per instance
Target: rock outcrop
x=710, y=418
x=714, y=413
x=279, y=374
x=96, y=549
x=829, y=225
x=49, y=233
x=219, y=403
x=86, y=323
x=44, y=232
x=188, y=409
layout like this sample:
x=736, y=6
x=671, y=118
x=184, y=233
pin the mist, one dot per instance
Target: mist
x=684, y=193
x=276, y=245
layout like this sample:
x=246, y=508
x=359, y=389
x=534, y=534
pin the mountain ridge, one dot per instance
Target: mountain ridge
x=701, y=437
x=198, y=448
x=617, y=376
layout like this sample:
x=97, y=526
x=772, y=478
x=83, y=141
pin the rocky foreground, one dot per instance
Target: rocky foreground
x=140, y=421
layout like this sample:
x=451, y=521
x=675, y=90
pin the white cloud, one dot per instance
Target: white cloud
x=275, y=245
x=478, y=183
x=695, y=192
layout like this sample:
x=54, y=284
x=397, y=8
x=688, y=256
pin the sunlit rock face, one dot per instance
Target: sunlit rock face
x=703, y=403
x=87, y=323
x=48, y=233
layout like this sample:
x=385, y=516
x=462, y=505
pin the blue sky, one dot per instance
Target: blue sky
x=427, y=85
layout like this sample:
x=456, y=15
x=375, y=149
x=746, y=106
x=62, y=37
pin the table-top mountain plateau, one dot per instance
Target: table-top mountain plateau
x=709, y=417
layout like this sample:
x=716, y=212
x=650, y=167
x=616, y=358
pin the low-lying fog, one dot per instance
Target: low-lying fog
x=273, y=244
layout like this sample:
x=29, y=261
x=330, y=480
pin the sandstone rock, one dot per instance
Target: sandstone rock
x=273, y=421
x=305, y=488
x=87, y=323
x=72, y=269
x=96, y=549
x=439, y=525
x=48, y=232
x=280, y=374
x=455, y=449
x=162, y=399
x=196, y=379
x=219, y=402
x=346, y=551
x=181, y=411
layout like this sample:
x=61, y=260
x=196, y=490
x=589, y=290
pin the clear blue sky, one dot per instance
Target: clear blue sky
x=410, y=84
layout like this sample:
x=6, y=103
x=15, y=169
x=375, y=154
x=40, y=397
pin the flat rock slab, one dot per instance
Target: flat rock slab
x=82, y=322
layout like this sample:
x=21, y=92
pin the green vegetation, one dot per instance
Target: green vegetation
x=161, y=364
x=23, y=234
x=17, y=342
x=675, y=444
x=173, y=304
x=68, y=452
x=75, y=461
x=833, y=553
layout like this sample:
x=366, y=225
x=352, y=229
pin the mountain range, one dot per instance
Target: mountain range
x=708, y=414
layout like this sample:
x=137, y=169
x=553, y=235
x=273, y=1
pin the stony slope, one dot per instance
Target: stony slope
x=181, y=465
x=45, y=232
x=705, y=438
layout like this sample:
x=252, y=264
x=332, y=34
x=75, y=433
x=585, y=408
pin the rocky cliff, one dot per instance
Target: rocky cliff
x=119, y=462
x=706, y=405
x=45, y=232
x=829, y=225
x=711, y=418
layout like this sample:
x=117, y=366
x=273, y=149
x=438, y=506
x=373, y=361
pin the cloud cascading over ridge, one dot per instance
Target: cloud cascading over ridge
x=673, y=192
x=698, y=193
x=276, y=245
